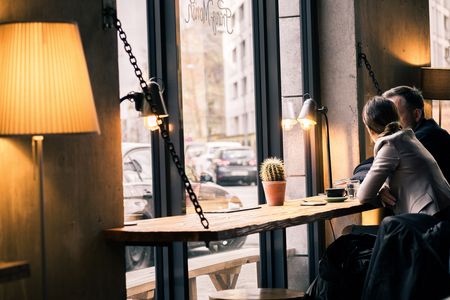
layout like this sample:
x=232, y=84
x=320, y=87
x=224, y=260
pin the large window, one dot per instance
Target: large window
x=218, y=105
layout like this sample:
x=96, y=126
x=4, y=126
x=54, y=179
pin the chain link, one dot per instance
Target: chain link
x=363, y=56
x=162, y=126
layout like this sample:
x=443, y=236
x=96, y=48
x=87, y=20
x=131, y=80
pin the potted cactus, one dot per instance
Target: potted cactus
x=273, y=179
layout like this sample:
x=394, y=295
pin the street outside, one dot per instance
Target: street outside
x=249, y=197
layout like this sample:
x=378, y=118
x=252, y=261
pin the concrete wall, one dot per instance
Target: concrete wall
x=338, y=88
x=83, y=181
x=338, y=83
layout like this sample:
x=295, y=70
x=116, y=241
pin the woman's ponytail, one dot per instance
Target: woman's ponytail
x=391, y=128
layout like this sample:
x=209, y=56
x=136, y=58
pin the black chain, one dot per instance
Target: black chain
x=363, y=56
x=162, y=126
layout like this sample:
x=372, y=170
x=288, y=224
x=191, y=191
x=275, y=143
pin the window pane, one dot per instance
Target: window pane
x=136, y=151
x=244, y=86
x=440, y=53
x=219, y=123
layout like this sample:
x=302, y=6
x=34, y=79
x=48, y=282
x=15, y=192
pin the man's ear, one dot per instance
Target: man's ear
x=418, y=114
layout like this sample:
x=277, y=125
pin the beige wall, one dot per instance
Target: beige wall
x=83, y=183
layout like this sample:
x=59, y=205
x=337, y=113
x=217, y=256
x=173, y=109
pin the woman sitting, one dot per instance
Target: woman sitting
x=401, y=164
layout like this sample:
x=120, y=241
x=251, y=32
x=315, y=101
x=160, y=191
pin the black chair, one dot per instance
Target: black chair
x=410, y=259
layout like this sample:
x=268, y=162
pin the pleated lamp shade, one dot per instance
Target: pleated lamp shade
x=435, y=83
x=44, y=80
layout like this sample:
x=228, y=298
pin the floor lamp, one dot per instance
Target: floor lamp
x=435, y=86
x=44, y=90
x=307, y=118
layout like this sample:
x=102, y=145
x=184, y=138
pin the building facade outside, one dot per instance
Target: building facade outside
x=440, y=52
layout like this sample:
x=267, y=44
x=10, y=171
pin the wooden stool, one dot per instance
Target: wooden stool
x=253, y=294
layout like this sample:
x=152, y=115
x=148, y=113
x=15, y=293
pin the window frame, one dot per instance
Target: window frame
x=269, y=136
x=313, y=149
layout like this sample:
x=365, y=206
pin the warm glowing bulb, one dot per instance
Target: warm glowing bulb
x=306, y=123
x=288, y=124
x=151, y=122
x=37, y=138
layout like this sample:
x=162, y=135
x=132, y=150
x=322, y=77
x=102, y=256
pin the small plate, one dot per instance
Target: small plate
x=313, y=203
x=336, y=199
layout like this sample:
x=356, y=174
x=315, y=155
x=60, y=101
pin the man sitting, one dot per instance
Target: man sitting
x=409, y=102
x=410, y=105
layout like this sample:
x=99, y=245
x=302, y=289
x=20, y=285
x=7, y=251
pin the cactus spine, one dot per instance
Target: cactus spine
x=272, y=169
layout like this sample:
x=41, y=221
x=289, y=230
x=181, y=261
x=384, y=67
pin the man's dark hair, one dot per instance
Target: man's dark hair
x=412, y=95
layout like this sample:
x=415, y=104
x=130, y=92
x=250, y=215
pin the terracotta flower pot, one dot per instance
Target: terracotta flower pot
x=274, y=191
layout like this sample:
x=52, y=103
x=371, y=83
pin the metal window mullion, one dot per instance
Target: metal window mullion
x=313, y=159
x=268, y=130
x=171, y=260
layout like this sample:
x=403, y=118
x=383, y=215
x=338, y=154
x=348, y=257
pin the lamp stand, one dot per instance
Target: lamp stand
x=38, y=160
x=323, y=110
x=440, y=112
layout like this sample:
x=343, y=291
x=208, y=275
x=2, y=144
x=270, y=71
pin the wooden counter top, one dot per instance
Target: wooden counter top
x=160, y=231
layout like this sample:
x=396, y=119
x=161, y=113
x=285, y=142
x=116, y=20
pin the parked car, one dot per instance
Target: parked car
x=234, y=165
x=137, y=181
x=203, y=161
x=192, y=152
x=138, y=202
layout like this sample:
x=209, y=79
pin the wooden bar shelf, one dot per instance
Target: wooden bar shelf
x=14, y=270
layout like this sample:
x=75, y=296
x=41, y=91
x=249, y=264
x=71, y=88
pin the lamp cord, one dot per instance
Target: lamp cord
x=362, y=56
x=160, y=121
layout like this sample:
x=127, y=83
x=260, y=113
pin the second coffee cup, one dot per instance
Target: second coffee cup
x=335, y=192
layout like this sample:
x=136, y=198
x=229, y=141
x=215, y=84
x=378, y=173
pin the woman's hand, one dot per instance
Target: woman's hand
x=387, y=199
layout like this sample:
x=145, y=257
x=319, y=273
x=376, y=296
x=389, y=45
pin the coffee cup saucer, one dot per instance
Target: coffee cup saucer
x=336, y=199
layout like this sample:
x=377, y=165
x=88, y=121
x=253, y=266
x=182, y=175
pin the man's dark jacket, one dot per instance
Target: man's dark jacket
x=433, y=137
x=410, y=259
x=437, y=142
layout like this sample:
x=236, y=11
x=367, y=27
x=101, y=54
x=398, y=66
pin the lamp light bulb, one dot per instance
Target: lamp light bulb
x=288, y=124
x=151, y=122
x=306, y=123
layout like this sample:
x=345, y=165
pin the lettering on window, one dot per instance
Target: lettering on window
x=212, y=12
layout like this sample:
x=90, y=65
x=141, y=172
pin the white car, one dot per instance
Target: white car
x=138, y=202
